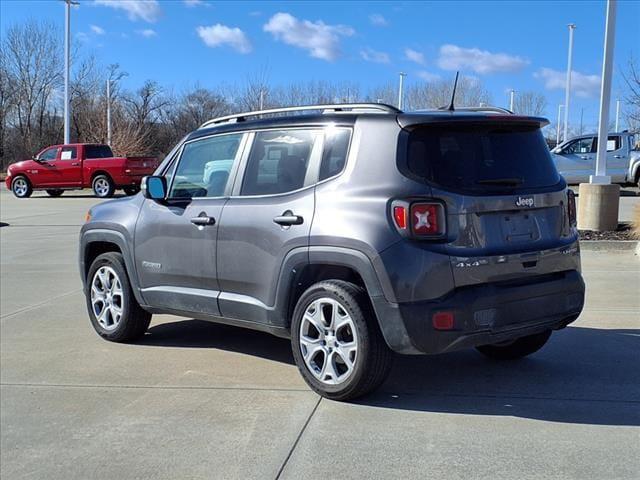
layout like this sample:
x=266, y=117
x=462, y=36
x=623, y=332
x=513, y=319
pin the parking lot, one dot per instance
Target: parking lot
x=199, y=400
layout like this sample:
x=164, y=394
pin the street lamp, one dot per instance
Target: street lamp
x=560, y=107
x=400, y=90
x=67, y=35
x=567, y=94
x=617, y=115
x=512, y=94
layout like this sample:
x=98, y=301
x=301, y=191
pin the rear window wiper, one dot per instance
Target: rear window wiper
x=511, y=182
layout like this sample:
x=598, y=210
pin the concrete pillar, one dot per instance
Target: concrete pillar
x=598, y=207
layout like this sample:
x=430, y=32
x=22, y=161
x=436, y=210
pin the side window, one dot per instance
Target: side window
x=613, y=143
x=97, y=151
x=204, y=167
x=579, y=146
x=336, y=146
x=278, y=161
x=49, y=154
x=68, y=153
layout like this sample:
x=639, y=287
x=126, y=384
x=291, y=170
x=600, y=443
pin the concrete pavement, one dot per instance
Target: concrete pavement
x=199, y=400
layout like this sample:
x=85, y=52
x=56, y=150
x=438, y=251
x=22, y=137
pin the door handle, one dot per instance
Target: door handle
x=288, y=219
x=75, y=164
x=203, y=220
x=584, y=157
x=618, y=156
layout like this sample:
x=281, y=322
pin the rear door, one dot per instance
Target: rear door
x=269, y=215
x=576, y=161
x=176, y=239
x=69, y=166
x=617, y=158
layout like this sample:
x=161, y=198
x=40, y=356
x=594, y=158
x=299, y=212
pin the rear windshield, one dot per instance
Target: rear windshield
x=97, y=151
x=486, y=158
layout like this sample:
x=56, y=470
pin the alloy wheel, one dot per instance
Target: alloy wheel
x=328, y=341
x=20, y=187
x=101, y=187
x=106, y=297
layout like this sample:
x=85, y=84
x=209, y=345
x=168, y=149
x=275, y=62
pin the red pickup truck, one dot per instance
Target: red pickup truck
x=75, y=166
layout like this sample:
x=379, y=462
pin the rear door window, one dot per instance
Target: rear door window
x=613, y=143
x=97, y=151
x=279, y=161
x=68, y=153
x=481, y=158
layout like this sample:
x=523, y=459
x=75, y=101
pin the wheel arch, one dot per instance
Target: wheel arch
x=98, y=241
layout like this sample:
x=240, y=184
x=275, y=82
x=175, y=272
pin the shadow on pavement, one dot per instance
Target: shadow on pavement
x=202, y=334
x=583, y=375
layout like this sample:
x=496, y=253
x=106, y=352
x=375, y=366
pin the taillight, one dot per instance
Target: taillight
x=419, y=219
x=571, y=207
x=427, y=219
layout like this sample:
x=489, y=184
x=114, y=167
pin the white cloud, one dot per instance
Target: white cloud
x=147, y=32
x=371, y=55
x=193, y=3
x=321, y=40
x=428, y=76
x=453, y=57
x=581, y=84
x=147, y=10
x=414, y=56
x=218, y=35
x=378, y=20
x=97, y=30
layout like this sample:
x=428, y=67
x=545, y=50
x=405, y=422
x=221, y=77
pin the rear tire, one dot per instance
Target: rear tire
x=21, y=187
x=113, y=309
x=336, y=341
x=103, y=186
x=130, y=191
x=518, y=348
x=55, y=193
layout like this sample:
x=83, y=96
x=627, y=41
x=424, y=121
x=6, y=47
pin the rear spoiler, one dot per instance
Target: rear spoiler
x=411, y=120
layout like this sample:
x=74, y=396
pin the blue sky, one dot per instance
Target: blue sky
x=516, y=44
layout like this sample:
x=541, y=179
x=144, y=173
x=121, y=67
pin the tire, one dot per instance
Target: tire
x=130, y=191
x=359, y=338
x=55, y=193
x=102, y=295
x=518, y=348
x=103, y=186
x=21, y=187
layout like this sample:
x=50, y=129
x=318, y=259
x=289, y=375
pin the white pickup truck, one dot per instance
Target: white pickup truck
x=575, y=159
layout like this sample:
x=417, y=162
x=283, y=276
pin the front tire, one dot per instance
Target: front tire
x=518, y=348
x=21, y=187
x=114, y=312
x=103, y=186
x=55, y=193
x=336, y=341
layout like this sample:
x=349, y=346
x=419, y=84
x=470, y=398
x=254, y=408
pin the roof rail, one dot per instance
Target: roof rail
x=339, y=107
x=484, y=109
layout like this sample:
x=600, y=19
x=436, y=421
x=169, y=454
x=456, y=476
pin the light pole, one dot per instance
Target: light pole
x=558, y=126
x=617, y=115
x=599, y=200
x=512, y=95
x=400, y=90
x=67, y=35
x=567, y=93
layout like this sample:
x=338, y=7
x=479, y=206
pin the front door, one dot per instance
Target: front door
x=46, y=172
x=175, y=240
x=268, y=216
x=576, y=161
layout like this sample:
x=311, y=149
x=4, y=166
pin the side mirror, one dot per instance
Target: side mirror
x=154, y=187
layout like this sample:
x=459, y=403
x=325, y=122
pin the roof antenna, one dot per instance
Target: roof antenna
x=453, y=94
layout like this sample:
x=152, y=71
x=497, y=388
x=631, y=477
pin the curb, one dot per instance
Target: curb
x=610, y=245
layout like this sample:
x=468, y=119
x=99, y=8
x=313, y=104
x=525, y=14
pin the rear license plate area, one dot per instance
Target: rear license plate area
x=518, y=227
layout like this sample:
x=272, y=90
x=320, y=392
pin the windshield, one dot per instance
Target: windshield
x=481, y=158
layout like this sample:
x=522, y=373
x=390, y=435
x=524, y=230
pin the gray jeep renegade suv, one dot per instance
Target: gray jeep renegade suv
x=355, y=230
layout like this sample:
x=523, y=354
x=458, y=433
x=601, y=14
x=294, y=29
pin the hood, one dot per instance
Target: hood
x=19, y=166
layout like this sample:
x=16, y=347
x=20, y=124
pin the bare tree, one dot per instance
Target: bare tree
x=632, y=98
x=530, y=103
x=470, y=92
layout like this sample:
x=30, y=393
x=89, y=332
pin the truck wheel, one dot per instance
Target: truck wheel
x=103, y=186
x=336, y=341
x=55, y=193
x=131, y=190
x=21, y=187
x=515, y=349
x=115, y=314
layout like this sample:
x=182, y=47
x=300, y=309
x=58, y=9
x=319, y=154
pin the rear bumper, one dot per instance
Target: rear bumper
x=484, y=314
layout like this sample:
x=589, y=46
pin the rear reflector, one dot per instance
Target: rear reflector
x=443, y=320
x=400, y=217
x=427, y=219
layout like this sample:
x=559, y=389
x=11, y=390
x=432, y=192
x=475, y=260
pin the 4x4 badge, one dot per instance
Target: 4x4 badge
x=525, y=202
